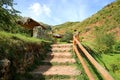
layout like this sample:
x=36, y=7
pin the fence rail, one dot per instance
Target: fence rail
x=99, y=68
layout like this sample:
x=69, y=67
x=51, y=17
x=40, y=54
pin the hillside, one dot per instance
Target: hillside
x=106, y=19
x=63, y=27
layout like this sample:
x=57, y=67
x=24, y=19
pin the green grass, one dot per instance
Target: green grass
x=112, y=62
x=15, y=47
x=79, y=67
x=6, y=35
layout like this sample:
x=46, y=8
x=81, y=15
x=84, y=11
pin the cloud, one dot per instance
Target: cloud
x=39, y=9
x=46, y=10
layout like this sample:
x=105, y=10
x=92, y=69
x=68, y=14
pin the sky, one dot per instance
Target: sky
x=54, y=12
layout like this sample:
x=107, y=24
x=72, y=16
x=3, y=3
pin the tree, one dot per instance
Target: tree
x=7, y=15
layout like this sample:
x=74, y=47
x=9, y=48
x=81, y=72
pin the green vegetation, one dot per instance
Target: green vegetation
x=16, y=45
x=104, y=41
x=113, y=64
x=10, y=36
x=8, y=18
x=83, y=75
x=67, y=37
x=109, y=60
x=60, y=29
x=23, y=52
x=7, y=15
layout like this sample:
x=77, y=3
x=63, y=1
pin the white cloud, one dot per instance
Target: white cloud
x=39, y=9
x=46, y=10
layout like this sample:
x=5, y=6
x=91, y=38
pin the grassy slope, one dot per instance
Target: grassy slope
x=9, y=42
x=107, y=18
x=8, y=36
x=23, y=52
x=112, y=63
x=64, y=27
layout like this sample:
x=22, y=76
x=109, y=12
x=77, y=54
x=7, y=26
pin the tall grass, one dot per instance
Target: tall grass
x=6, y=35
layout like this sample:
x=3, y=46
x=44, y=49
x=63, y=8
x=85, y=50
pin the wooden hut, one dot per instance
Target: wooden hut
x=36, y=28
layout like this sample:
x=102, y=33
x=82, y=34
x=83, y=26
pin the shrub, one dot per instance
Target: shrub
x=67, y=37
x=104, y=41
x=116, y=47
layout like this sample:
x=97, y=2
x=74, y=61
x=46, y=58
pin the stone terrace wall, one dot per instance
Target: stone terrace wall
x=16, y=56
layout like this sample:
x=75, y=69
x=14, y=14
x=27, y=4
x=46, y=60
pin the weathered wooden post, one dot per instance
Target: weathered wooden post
x=76, y=35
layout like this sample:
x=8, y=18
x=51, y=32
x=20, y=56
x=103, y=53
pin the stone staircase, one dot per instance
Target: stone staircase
x=58, y=65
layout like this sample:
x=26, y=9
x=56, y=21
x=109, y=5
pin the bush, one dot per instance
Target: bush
x=104, y=41
x=67, y=37
x=116, y=47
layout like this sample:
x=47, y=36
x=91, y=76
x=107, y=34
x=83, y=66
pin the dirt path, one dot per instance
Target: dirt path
x=58, y=65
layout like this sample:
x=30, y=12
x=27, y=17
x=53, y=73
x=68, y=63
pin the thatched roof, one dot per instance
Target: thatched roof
x=29, y=23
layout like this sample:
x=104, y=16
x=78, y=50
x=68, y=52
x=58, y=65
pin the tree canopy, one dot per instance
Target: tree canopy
x=7, y=15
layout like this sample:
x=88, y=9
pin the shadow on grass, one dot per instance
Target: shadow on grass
x=92, y=68
x=96, y=56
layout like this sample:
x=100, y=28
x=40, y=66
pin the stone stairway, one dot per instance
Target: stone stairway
x=58, y=65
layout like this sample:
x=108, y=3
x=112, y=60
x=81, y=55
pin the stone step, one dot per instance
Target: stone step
x=61, y=45
x=60, y=49
x=60, y=78
x=60, y=55
x=59, y=60
x=58, y=65
x=56, y=70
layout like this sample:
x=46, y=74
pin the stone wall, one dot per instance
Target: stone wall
x=38, y=32
x=17, y=56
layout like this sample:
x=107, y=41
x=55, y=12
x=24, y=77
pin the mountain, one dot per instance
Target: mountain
x=107, y=19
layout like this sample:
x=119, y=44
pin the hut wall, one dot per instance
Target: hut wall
x=38, y=32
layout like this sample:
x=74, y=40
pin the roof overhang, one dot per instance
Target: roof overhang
x=29, y=23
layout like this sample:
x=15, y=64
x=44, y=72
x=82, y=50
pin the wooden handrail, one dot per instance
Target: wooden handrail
x=101, y=70
x=87, y=71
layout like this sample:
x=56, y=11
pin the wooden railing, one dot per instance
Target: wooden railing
x=100, y=69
